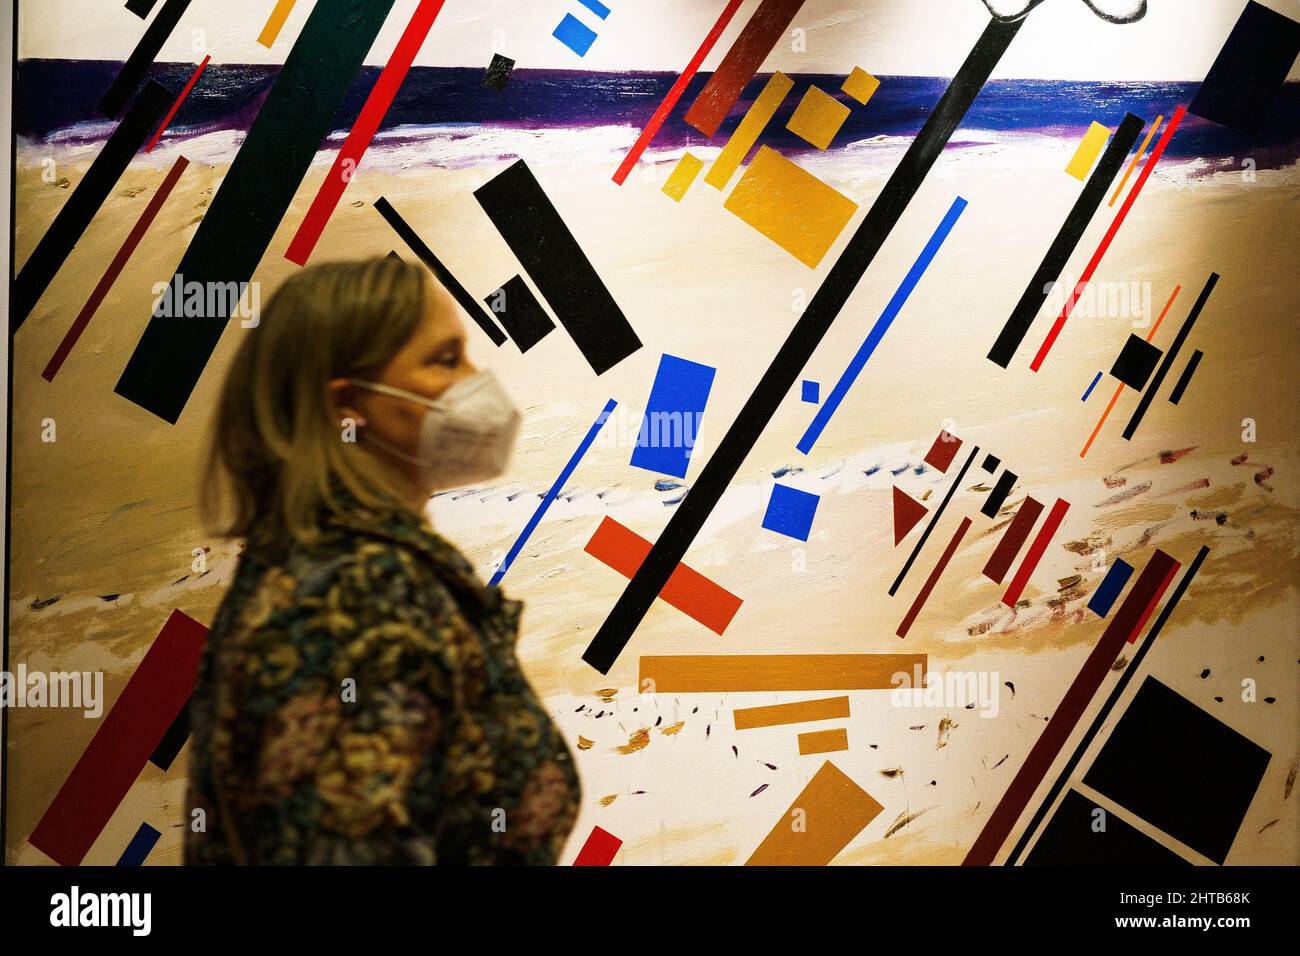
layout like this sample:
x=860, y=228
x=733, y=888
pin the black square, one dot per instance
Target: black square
x=1136, y=362
x=518, y=310
x=1070, y=840
x=1180, y=769
x=498, y=72
x=1249, y=70
x=991, y=463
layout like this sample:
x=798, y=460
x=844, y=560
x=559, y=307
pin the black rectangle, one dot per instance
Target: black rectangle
x=998, y=496
x=435, y=265
x=1145, y=401
x=128, y=78
x=1135, y=363
x=254, y=196
x=1067, y=238
x=1078, y=836
x=537, y=235
x=520, y=312
x=140, y=8
x=64, y=233
x=1186, y=378
x=1249, y=70
x=172, y=742
x=793, y=355
x=991, y=463
x=1180, y=769
x=498, y=72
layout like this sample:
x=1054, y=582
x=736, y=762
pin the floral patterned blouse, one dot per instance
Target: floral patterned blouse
x=359, y=702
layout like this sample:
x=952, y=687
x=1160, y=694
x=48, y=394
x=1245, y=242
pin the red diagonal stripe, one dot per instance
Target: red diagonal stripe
x=363, y=131
x=151, y=700
x=114, y=270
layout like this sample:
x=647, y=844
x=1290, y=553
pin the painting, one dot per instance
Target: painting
x=907, y=469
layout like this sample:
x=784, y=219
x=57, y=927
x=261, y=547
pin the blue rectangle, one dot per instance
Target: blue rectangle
x=550, y=495
x=812, y=391
x=1095, y=379
x=1104, y=597
x=596, y=7
x=676, y=406
x=868, y=346
x=790, y=511
x=139, y=847
x=575, y=34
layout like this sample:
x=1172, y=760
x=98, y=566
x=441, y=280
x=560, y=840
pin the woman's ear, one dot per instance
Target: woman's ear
x=343, y=396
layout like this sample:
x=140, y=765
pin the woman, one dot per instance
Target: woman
x=359, y=700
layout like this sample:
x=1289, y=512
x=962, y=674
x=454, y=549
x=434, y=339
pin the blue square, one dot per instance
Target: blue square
x=575, y=34
x=811, y=391
x=790, y=511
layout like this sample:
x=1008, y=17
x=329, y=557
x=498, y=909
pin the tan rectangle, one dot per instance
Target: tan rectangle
x=824, y=741
x=821, y=822
x=714, y=673
x=773, y=715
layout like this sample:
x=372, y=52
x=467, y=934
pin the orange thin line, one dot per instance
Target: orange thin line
x=1120, y=387
x=1141, y=149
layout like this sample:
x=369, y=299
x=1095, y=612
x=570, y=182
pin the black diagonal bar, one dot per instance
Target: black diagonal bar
x=1062, y=247
x=140, y=8
x=64, y=233
x=1145, y=401
x=434, y=264
x=794, y=353
x=131, y=75
x=254, y=196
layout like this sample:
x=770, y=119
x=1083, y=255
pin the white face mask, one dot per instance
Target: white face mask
x=468, y=433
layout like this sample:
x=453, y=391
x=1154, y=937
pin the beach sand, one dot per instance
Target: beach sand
x=107, y=509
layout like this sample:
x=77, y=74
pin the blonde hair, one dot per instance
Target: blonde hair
x=277, y=443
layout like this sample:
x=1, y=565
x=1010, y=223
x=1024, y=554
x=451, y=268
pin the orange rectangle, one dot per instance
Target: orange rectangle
x=687, y=590
x=792, y=207
x=275, y=22
x=823, y=741
x=821, y=822
x=773, y=715
x=720, y=673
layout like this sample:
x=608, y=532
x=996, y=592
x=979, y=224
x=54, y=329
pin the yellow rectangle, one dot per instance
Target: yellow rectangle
x=683, y=174
x=720, y=673
x=791, y=206
x=774, y=715
x=1089, y=147
x=275, y=22
x=860, y=84
x=823, y=741
x=818, y=117
x=821, y=822
x=747, y=133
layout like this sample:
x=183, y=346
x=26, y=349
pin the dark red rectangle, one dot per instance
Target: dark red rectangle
x=742, y=61
x=1035, y=552
x=930, y=582
x=146, y=708
x=943, y=451
x=114, y=270
x=1013, y=540
x=599, y=849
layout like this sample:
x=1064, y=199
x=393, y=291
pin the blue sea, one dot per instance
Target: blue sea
x=56, y=100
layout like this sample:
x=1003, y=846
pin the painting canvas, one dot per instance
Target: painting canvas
x=904, y=385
